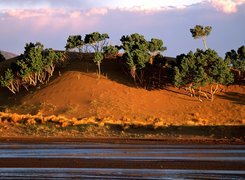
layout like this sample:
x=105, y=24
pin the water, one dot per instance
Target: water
x=93, y=173
x=79, y=160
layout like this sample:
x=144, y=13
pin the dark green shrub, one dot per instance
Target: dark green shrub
x=201, y=68
x=237, y=61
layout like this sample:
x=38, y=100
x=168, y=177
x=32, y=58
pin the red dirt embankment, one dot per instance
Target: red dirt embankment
x=76, y=92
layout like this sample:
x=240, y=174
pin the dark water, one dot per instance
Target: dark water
x=151, y=161
x=104, y=173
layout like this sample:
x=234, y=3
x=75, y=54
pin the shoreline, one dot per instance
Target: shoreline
x=120, y=140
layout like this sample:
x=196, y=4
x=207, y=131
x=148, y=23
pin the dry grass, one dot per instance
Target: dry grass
x=63, y=121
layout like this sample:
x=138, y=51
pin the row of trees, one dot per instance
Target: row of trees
x=35, y=66
x=137, y=50
x=93, y=43
x=191, y=70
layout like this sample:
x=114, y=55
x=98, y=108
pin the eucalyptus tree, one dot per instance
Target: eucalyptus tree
x=95, y=43
x=35, y=65
x=201, y=32
x=8, y=80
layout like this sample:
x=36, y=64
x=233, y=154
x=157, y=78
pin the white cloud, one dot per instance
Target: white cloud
x=96, y=11
x=98, y=6
x=227, y=6
x=75, y=14
x=25, y=14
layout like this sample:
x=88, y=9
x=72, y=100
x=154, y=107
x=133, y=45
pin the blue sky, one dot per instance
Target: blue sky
x=52, y=21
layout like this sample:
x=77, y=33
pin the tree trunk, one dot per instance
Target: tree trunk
x=98, y=64
x=204, y=43
x=133, y=73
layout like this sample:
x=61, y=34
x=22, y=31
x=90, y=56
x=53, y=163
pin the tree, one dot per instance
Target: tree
x=155, y=47
x=35, y=65
x=136, y=52
x=98, y=57
x=8, y=80
x=2, y=58
x=96, y=43
x=110, y=50
x=74, y=42
x=198, y=69
x=201, y=32
x=237, y=61
x=237, y=58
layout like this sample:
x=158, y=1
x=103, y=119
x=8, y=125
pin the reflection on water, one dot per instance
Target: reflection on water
x=83, y=173
x=220, y=154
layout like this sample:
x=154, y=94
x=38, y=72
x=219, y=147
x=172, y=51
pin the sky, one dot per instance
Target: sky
x=52, y=21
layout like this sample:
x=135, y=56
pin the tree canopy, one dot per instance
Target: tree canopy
x=110, y=50
x=96, y=41
x=237, y=58
x=155, y=47
x=136, y=52
x=74, y=42
x=201, y=32
x=200, y=68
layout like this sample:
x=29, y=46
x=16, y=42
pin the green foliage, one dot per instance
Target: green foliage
x=136, y=52
x=155, y=47
x=237, y=59
x=200, y=68
x=2, y=58
x=35, y=65
x=74, y=42
x=201, y=32
x=110, y=50
x=98, y=57
x=133, y=42
x=96, y=41
x=7, y=80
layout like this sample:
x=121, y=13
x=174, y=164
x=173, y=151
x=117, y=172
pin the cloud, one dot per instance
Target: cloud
x=24, y=14
x=227, y=6
x=51, y=23
x=51, y=19
x=96, y=11
x=97, y=5
x=93, y=7
x=53, y=12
